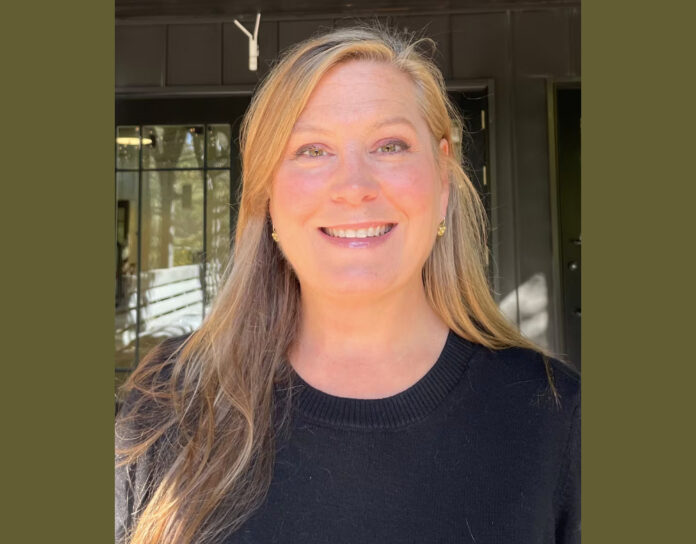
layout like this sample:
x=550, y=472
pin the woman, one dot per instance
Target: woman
x=354, y=381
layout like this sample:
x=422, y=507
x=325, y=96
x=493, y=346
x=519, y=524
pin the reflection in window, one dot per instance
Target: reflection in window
x=126, y=266
x=127, y=148
x=218, y=228
x=172, y=231
x=171, y=219
x=173, y=147
x=219, y=139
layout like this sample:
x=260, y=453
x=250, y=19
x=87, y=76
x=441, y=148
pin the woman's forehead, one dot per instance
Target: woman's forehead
x=361, y=89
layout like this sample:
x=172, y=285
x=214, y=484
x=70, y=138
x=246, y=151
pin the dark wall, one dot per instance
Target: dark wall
x=515, y=51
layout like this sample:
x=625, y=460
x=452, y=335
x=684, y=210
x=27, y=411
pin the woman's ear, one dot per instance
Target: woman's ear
x=444, y=148
x=269, y=208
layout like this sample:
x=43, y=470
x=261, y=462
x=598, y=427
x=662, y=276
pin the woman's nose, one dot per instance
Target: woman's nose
x=353, y=182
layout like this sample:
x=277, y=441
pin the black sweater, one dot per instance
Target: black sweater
x=474, y=452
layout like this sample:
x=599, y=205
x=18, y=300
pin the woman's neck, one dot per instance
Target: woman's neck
x=369, y=348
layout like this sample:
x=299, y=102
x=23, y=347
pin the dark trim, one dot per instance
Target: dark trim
x=557, y=292
x=494, y=218
x=165, y=58
x=138, y=286
x=200, y=91
x=204, y=255
x=487, y=85
x=484, y=7
x=570, y=82
x=468, y=84
x=553, y=85
x=221, y=79
x=514, y=177
x=175, y=110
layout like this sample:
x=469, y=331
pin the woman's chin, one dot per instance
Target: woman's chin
x=354, y=285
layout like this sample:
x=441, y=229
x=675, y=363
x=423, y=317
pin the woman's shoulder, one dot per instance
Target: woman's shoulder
x=139, y=418
x=524, y=374
x=154, y=370
x=527, y=364
x=165, y=351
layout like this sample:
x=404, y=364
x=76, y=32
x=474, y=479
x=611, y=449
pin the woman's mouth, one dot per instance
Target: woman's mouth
x=368, y=232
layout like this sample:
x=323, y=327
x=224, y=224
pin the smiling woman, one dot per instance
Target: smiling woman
x=354, y=381
x=369, y=165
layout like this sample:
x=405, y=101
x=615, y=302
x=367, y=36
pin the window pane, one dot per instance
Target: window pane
x=171, y=252
x=126, y=267
x=218, y=227
x=173, y=146
x=218, y=146
x=127, y=147
x=170, y=233
x=172, y=219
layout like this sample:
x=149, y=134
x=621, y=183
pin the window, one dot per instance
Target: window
x=173, y=218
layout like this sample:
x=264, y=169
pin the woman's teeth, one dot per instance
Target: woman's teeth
x=358, y=233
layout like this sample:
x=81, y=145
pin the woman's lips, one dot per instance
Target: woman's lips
x=358, y=231
x=358, y=235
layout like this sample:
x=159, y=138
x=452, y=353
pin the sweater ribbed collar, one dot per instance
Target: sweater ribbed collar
x=399, y=410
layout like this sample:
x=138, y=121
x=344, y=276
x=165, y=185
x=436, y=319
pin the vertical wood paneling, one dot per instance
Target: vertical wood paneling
x=575, y=42
x=194, y=54
x=480, y=45
x=347, y=21
x=292, y=32
x=540, y=40
x=533, y=222
x=436, y=28
x=503, y=222
x=140, y=53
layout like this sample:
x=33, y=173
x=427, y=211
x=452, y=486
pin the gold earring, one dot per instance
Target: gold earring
x=274, y=235
x=442, y=228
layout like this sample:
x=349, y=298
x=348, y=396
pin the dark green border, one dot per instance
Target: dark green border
x=638, y=205
x=57, y=216
x=638, y=113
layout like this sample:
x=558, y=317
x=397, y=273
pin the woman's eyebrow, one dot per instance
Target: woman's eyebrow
x=306, y=127
x=398, y=120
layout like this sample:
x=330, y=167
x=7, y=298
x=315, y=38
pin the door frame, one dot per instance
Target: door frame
x=552, y=87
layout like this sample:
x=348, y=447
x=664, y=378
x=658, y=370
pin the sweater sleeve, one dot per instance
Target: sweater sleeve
x=568, y=512
x=125, y=496
x=134, y=481
x=131, y=482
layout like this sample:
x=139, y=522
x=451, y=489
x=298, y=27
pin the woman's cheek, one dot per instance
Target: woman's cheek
x=298, y=191
x=412, y=188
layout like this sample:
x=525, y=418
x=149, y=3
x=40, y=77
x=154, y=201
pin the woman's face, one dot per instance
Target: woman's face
x=358, y=195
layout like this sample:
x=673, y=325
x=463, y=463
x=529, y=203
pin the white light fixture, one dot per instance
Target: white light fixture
x=253, y=42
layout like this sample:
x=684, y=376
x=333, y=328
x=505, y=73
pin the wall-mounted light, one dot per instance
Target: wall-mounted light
x=253, y=42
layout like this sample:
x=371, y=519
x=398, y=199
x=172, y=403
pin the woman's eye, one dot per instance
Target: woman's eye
x=392, y=147
x=311, y=151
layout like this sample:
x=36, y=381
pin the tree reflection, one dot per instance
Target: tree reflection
x=176, y=275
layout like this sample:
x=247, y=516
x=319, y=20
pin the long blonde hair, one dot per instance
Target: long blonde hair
x=211, y=409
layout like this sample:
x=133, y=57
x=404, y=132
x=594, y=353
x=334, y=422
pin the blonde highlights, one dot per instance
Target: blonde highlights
x=208, y=414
